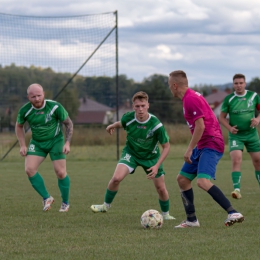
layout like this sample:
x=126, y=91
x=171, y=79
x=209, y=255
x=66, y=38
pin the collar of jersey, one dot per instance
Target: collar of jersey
x=143, y=121
x=40, y=107
x=240, y=95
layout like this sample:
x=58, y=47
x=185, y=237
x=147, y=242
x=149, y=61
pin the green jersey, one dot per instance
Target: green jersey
x=241, y=109
x=143, y=137
x=45, y=122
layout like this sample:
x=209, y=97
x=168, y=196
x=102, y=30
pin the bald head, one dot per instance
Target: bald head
x=34, y=87
x=35, y=95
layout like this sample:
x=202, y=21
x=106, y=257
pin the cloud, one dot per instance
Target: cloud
x=211, y=40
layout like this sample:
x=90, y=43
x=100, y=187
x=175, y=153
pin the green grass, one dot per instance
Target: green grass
x=28, y=233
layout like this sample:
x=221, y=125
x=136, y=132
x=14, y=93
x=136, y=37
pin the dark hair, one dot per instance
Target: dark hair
x=239, y=76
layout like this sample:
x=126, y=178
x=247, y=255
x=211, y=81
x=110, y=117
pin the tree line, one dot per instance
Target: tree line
x=14, y=81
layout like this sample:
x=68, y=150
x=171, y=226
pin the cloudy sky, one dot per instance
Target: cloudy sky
x=210, y=40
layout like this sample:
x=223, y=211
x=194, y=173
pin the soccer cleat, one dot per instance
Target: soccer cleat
x=234, y=218
x=186, y=224
x=99, y=208
x=47, y=203
x=236, y=194
x=168, y=217
x=64, y=207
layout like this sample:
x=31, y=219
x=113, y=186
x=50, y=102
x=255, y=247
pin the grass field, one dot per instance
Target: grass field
x=28, y=233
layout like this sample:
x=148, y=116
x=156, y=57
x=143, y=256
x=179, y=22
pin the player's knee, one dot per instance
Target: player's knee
x=30, y=171
x=115, y=180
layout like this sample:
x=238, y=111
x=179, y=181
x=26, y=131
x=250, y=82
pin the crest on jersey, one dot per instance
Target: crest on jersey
x=249, y=103
x=149, y=134
x=47, y=118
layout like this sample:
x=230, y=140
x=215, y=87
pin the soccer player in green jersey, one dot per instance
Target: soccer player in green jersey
x=241, y=107
x=144, y=132
x=45, y=118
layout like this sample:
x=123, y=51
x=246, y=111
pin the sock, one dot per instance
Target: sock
x=38, y=184
x=109, y=196
x=64, y=186
x=236, y=177
x=165, y=205
x=257, y=175
x=187, y=200
x=221, y=199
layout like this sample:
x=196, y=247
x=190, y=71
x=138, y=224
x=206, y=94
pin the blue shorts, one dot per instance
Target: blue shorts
x=204, y=164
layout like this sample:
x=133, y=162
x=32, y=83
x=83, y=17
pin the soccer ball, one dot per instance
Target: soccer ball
x=151, y=219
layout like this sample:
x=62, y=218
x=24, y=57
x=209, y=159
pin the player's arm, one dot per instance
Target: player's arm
x=20, y=134
x=68, y=134
x=255, y=121
x=197, y=134
x=223, y=120
x=111, y=128
x=154, y=169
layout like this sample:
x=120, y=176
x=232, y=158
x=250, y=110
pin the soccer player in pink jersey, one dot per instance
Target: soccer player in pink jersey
x=204, y=151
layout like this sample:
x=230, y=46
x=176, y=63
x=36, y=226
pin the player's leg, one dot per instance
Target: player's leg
x=121, y=171
x=236, y=158
x=206, y=172
x=59, y=164
x=184, y=179
x=253, y=148
x=35, y=156
x=256, y=162
x=164, y=201
x=236, y=147
x=63, y=183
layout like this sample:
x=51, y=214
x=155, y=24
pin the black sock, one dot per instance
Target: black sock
x=221, y=199
x=187, y=200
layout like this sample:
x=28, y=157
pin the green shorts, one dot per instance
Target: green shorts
x=53, y=147
x=132, y=162
x=248, y=139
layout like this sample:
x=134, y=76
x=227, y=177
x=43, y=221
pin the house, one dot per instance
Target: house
x=92, y=112
x=216, y=98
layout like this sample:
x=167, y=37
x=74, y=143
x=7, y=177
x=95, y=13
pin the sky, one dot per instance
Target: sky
x=209, y=40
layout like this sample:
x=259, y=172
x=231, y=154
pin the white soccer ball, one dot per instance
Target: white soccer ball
x=152, y=219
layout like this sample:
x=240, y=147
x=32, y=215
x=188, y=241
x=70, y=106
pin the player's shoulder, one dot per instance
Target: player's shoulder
x=52, y=102
x=27, y=106
x=154, y=118
x=129, y=115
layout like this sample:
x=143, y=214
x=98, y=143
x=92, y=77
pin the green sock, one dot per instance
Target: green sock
x=165, y=205
x=38, y=184
x=110, y=195
x=64, y=186
x=236, y=178
x=257, y=175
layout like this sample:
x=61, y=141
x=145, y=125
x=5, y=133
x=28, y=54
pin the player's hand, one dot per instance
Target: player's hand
x=233, y=129
x=254, y=122
x=152, y=172
x=66, y=148
x=187, y=156
x=23, y=151
x=110, y=129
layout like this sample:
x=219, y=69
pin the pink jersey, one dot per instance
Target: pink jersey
x=195, y=106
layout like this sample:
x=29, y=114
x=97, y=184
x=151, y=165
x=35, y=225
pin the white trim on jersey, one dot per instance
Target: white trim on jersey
x=57, y=129
x=253, y=96
x=53, y=109
x=130, y=122
x=154, y=149
x=156, y=127
x=28, y=112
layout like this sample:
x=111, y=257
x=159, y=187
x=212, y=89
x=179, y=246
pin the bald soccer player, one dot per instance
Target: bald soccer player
x=45, y=118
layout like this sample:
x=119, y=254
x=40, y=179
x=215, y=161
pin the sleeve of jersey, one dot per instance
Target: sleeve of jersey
x=123, y=121
x=194, y=107
x=162, y=135
x=20, y=118
x=61, y=113
x=224, y=106
x=258, y=103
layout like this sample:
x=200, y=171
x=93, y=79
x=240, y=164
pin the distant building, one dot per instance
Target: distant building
x=92, y=112
x=216, y=98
